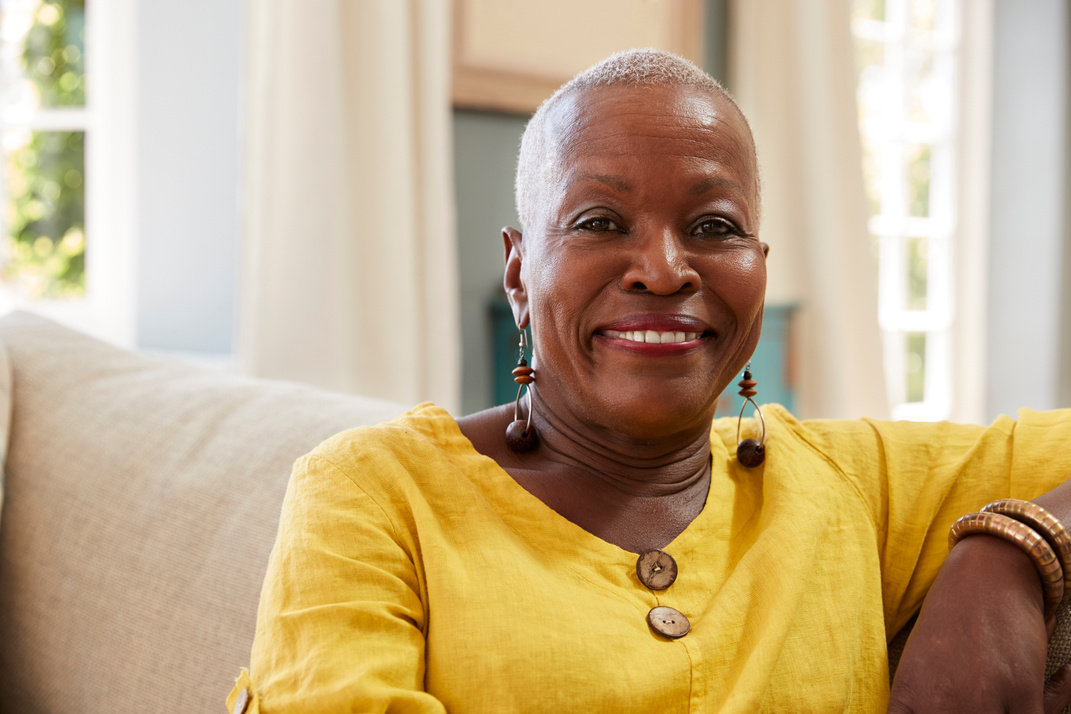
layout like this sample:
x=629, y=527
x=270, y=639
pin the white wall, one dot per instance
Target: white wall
x=190, y=57
x=1028, y=235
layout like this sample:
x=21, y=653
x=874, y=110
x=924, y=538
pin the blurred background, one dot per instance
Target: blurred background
x=315, y=190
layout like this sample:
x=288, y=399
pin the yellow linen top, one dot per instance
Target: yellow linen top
x=412, y=574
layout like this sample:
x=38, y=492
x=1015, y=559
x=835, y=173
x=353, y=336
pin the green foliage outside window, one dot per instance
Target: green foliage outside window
x=45, y=250
x=54, y=58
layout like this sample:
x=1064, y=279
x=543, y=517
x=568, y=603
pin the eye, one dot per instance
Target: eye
x=715, y=227
x=599, y=225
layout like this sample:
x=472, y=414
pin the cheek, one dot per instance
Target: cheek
x=742, y=282
x=548, y=302
x=557, y=283
x=561, y=292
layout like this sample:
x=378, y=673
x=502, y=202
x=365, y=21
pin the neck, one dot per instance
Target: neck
x=671, y=465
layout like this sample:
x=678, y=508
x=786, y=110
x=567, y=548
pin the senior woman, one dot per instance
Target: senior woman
x=603, y=544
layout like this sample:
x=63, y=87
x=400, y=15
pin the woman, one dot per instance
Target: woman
x=614, y=552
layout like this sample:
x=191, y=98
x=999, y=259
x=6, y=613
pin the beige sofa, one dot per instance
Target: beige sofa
x=139, y=504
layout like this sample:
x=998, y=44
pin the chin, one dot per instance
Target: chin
x=648, y=416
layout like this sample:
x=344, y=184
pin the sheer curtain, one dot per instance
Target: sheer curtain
x=791, y=69
x=349, y=276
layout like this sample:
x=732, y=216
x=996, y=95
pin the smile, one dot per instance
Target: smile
x=653, y=337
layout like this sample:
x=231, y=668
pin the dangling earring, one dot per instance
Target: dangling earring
x=750, y=452
x=521, y=435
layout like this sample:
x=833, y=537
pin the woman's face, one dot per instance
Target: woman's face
x=643, y=276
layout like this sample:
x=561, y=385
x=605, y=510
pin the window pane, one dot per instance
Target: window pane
x=868, y=9
x=915, y=366
x=42, y=54
x=54, y=58
x=872, y=175
x=918, y=178
x=923, y=14
x=870, y=66
x=921, y=88
x=44, y=249
x=917, y=262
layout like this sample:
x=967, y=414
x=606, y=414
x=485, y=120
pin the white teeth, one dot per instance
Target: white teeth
x=653, y=336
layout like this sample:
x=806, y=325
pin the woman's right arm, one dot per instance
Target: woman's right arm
x=342, y=613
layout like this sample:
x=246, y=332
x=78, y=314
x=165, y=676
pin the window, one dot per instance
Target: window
x=65, y=152
x=907, y=98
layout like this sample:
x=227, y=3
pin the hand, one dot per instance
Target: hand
x=981, y=639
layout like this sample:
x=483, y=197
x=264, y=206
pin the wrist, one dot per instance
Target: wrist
x=985, y=562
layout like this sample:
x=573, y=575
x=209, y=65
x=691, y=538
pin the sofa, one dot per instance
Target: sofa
x=140, y=501
x=138, y=504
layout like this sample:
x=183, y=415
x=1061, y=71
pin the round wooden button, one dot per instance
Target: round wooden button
x=668, y=622
x=242, y=702
x=656, y=569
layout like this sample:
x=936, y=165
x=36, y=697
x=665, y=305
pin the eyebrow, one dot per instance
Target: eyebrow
x=714, y=182
x=700, y=188
x=612, y=181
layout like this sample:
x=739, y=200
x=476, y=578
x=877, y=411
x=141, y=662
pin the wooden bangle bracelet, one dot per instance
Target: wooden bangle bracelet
x=1027, y=540
x=1047, y=526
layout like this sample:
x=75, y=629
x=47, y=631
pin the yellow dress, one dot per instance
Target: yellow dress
x=412, y=574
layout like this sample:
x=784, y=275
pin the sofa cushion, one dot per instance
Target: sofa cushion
x=142, y=498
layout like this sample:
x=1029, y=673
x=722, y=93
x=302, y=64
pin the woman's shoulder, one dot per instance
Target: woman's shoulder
x=423, y=434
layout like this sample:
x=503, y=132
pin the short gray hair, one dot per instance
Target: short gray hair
x=630, y=68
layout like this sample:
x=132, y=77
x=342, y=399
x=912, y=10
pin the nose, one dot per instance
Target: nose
x=660, y=264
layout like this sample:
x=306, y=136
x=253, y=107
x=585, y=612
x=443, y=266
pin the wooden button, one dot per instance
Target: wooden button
x=242, y=702
x=656, y=569
x=668, y=622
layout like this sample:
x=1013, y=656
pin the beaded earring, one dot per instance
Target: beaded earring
x=750, y=452
x=520, y=434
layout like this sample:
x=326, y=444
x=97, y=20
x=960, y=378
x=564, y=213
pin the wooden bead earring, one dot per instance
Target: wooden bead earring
x=520, y=434
x=750, y=452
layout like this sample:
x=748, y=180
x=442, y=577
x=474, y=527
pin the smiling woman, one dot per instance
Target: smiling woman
x=630, y=558
x=634, y=235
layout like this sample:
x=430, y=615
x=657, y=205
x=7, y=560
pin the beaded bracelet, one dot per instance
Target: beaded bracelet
x=1027, y=540
x=1046, y=525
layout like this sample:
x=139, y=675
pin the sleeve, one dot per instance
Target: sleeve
x=342, y=620
x=918, y=478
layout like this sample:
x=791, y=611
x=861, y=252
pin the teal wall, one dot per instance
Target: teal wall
x=485, y=154
x=485, y=149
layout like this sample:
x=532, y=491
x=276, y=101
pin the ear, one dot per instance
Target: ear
x=512, y=281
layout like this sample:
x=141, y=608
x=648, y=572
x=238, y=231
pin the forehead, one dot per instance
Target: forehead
x=651, y=121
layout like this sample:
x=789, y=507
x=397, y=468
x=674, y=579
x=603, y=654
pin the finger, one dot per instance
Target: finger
x=1058, y=690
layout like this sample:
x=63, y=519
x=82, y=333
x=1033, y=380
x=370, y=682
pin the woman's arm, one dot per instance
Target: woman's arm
x=342, y=615
x=981, y=639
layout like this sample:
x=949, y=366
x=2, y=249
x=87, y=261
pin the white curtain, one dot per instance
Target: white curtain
x=349, y=276
x=791, y=69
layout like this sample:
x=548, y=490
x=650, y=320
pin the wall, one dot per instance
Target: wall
x=1065, y=302
x=1028, y=236
x=485, y=150
x=188, y=97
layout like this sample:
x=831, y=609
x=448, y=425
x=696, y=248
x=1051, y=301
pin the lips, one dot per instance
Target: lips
x=658, y=333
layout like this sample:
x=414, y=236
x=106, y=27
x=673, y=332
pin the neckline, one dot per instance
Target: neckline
x=530, y=516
